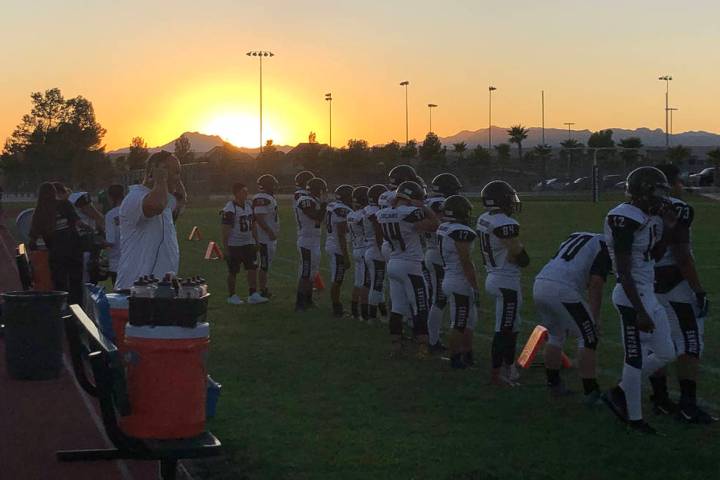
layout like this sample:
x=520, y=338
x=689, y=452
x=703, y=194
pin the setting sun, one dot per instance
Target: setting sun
x=238, y=129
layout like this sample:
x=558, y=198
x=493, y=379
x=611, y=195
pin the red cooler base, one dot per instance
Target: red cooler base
x=166, y=382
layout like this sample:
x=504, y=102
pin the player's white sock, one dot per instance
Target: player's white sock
x=631, y=384
x=434, y=321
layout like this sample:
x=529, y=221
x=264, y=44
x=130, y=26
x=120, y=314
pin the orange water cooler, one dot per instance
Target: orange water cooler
x=119, y=313
x=167, y=381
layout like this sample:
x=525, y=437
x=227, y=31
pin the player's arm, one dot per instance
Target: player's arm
x=313, y=212
x=679, y=244
x=462, y=245
x=424, y=219
x=599, y=270
x=342, y=233
x=261, y=211
x=156, y=201
x=623, y=235
x=509, y=235
x=227, y=220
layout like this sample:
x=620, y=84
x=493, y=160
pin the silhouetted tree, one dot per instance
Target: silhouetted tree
x=312, y=137
x=410, y=150
x=503, y=152
x=460, y=148
x=602, y=139
x=517, y=134
x=678, y=154
x=138, y=153
x=543, y=152
x=570, y=149
x=630, y=155
x=183, y=149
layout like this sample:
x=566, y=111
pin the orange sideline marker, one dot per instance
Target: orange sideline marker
x=535, y=342
x=213, y=252
x=319, y=284
x=194, y=234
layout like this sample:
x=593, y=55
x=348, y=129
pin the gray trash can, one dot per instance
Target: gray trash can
x=33, y=334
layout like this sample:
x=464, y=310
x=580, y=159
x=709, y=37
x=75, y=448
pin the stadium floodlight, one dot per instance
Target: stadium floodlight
x=430, y=107
x=490, y=90
x=569, y=124
x=260, y=54
x=666, y=79
x=405, y=84
x=328, y=98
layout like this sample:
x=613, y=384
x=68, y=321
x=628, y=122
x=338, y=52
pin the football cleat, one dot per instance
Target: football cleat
x=235, y=300
x=641, y=426
x=437, y=348
x=614, y=399
x=694, y=414
x=593, y=399
x=664, y=406
x=256, y=299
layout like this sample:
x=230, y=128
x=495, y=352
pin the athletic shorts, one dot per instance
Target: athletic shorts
x=563, y=310
x=637, y=344
x=686, y=329
x=508, y=300
x=361, y=279
x=309, y=261
x=245, y=255
x=463, y=312
x=337, y=266
x=408, y=292
x=376, y=269
x=436, y=274
x=266, y=253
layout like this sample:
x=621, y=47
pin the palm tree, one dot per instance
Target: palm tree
x=714, y=156
x=678, y=153
x=630, y=155
x=570, y=146
x=460, y=148
x=517, y=134
x=543, y=151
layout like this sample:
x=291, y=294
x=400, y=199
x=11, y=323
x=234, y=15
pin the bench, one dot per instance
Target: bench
x=106, y=382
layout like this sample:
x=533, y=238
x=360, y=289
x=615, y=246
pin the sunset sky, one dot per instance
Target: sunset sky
x=157, y=69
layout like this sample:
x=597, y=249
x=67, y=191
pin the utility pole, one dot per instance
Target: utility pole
x=542, y=97
x=569, y=124
x=407, y=136
x=328, y=98
x=490, y=90
x=430, y=107
x=260, y=54
x=666, y=79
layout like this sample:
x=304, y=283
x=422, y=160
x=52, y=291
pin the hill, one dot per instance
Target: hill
x=200, y=143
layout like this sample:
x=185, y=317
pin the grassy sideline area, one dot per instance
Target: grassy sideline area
x=306, y=396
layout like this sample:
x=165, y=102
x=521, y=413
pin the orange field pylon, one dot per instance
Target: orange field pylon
x=194, y=234
x=213, y=252
x=318, y=283
x=537, y=339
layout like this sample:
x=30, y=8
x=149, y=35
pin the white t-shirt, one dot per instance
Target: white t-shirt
x=112, y=235
x=147, y=245
x=265, y=204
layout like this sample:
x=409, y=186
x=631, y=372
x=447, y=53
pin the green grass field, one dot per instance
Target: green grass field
x=306, y=396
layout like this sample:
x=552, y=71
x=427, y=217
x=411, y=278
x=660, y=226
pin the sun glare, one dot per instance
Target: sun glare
x=240, y=130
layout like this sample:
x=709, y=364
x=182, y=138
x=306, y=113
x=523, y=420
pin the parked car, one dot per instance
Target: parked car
x=580, y=183
x=551, y=184
x=704, y=178
x=610, y=181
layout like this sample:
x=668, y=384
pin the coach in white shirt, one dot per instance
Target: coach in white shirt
x=148, y=240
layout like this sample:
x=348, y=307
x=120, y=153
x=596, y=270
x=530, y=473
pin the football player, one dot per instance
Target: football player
x=374, y=259
x=581, y=263
x=301, y=181
x=678, y=288
x=442, y=186
x=265, y=212
x=454, y=241
x=403, y=224
x=336, y=244
x=239, y=241
x=633, y=230
x=310, y=211
x=356, y=226
x=504, y=256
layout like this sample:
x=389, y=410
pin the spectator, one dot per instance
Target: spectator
x=115, y=195
x=55, y=223
x=148, y=240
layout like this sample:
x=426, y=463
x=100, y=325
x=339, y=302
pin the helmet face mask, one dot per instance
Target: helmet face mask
x=302, y=178
x=446, y=184
x=500, y=195
x=400, y=174
x=344, y=194
x=374, y=193
x=267, y=183
x=317, y=187
x=410, y=191
x=458, y=209
x=360, y=197
x=648, y=189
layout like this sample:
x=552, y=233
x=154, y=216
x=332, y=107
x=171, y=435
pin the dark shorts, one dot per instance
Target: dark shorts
x=245, y=255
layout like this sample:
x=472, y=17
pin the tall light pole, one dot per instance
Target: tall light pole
x=542, y=101
x=671, y=110
x=666, y=79
x=430, y=107
x=490, y=90
x=405, y=84
x=328, y=98
x=569, y=124
x=260, y=54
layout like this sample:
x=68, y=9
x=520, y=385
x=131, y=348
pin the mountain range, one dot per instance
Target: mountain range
x=201, y=143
